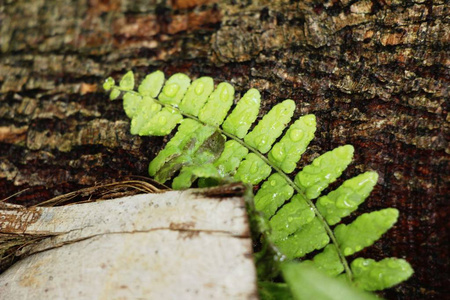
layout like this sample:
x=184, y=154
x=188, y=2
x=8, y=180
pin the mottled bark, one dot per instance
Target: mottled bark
x=375, y=73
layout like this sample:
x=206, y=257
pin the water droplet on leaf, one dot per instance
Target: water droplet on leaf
x=296, y=135
x=171, y=89
x=199, y=88
x=278, y=152
x=262, y=142
x=162, y=120
x=109, y=83
x=341, y=202
x=254, y=167
x=224, y=94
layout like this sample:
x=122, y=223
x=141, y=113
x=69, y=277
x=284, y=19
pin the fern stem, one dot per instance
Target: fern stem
x=330, y=233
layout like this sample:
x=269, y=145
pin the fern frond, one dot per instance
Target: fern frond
x=273, y=193
x=327, y=261
x=365, y=230
x=343, y=201
x=212, y=142
x=287, y=152
x=371, y=275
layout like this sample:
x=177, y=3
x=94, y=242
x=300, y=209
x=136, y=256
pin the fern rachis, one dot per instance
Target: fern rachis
x=212, y=143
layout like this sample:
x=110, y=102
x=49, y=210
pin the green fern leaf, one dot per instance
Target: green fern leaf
x=252, y=170
x=109, y=83
x=365, y=230
x=344, y=200
x=316, y=177
x=174, y=89
x=327, y=261
x=196, y=95
x=244, y=114
x=286, y=153
x=218, y=105
x=373, y=276
x=193, y=152
x=190, y=173
x=115, y=93
x=141, y=110
x=207, y=147
x=176, y=145
x=231, y=157
x=127, y=82
x=132, y=103
x=162, y=123
x=272, y=194
x=308, y=238
x=200, y=162
x=271, y=126
x=290, y=218
x=152, y=84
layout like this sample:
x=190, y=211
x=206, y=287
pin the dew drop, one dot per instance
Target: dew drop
x=309, y=120
x=316, y=162
x=278, y=152
x=254, y=167
x=376, y=275
x=162, y=120
x=348, y=251
x=273, y=182
x=224, y=94
x=262, y=142
x=341, y=202
x=154, y=107
x=252, y=96
x=171, y=89
x=365, y=263
x=296, y=135
x=199, y=88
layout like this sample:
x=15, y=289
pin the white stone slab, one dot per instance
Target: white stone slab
x=175, y=245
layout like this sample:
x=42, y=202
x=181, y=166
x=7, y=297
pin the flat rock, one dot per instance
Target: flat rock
x=174, y=245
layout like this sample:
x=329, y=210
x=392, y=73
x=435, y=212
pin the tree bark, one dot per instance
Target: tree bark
x=375, y=74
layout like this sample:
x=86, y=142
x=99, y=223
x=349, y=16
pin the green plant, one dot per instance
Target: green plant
x=213, y=146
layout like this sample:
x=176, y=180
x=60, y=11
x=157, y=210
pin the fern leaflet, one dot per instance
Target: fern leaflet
x=213, y=143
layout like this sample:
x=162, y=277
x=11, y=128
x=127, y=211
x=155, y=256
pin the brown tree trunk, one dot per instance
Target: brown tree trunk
x=375, y=73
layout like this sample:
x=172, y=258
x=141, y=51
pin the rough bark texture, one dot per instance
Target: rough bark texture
x=375, y=73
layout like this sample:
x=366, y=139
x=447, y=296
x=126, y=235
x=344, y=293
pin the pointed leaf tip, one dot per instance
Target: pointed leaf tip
x=152, y=84
x=114, y=94
x=127, y=82
x=108, y=84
